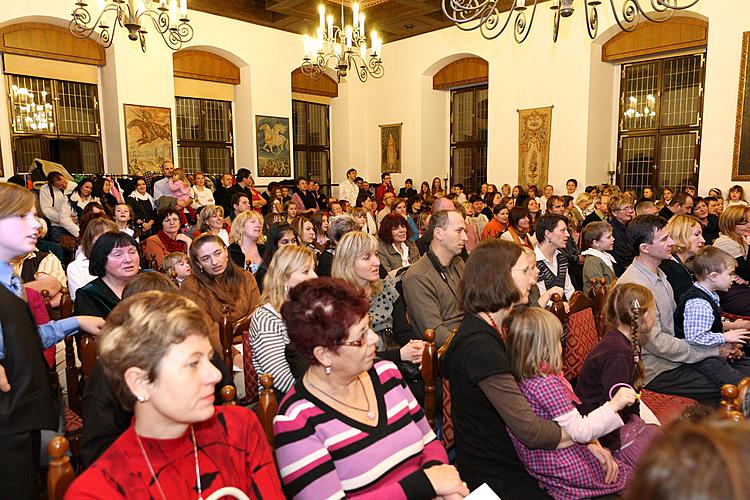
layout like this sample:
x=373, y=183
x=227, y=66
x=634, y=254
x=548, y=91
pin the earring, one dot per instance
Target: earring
x=328, y=370
x=286, y=289
x=141, y=398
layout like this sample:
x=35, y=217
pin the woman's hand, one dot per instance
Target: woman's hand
x=603, y=455
x=625, y=396
x=446, y=481
x=412, y=351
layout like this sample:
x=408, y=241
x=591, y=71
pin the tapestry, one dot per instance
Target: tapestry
x=390, y=148
x=741, y=161
x=534, y=128
x=272, y=139
x=148, y=136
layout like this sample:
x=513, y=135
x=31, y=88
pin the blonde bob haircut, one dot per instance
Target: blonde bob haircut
x=237, y=233
x=14, y=200
x=680, y=227
x=140, y=331
x=730, y=218
x=352, y=246
x=285, y=262
x=534, y=337
x=208, y=212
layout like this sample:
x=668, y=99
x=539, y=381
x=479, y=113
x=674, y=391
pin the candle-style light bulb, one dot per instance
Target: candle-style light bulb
x=362, y=25
x=322, y=14
x=330, y=27
x=306, y=43
x=355, y=13
x=348, y=32
x=363, y=51
x=183, y=8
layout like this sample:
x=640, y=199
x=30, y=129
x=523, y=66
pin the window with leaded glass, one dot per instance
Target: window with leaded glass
x=204, y=135
x=469, y=137
x=312, y=147
x=661, y=105
x=55, y=120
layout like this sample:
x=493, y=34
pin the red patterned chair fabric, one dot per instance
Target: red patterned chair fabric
x=73, y=421
x=251, y=376
x=666, y=407
x=448, y=437
x=582, y=337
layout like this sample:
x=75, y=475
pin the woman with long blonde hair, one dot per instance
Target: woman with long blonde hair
x=211, y=220
x=245, y=238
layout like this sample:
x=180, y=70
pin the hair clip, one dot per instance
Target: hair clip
x=636, y=304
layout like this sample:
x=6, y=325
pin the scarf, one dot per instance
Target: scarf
x=607, y=258
x=170, y=244
x=143, y=197
x=544, y=367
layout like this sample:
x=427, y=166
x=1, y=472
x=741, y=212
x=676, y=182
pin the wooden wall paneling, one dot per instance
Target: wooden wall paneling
x=50, y=42
x=324, y=86
x=466, y=71
x=202, y=65
x=679, y=33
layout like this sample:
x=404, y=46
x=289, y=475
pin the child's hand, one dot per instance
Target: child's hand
x=737, y=336
x=624, y=397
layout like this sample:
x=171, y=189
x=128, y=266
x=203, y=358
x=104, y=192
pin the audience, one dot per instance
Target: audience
x=167, y=239
x=143, y=206
x=519, y=228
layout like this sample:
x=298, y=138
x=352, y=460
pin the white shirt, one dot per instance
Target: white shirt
x=161, y=188
x=201, y=197
x=348, y=191
x=56, y=207
x=78, y=274
x=607, y=258
x=403, y=251
x=568, y=289
x=370, y=226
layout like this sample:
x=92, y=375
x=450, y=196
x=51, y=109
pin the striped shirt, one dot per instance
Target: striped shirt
x=322, y=453
x=268, y=338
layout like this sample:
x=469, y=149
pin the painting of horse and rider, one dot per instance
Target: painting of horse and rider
x=148, y=134
x=272, y=138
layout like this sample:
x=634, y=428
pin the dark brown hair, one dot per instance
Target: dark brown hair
x=225, y=287
x=487, y=285
x=390, y=222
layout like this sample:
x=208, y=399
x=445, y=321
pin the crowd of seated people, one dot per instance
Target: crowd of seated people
x=337, y=293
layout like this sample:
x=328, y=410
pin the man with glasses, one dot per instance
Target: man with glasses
x=620, y=214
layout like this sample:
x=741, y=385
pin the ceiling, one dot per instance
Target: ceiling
x=393, y=19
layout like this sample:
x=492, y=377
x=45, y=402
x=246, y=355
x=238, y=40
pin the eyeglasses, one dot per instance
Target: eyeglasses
x=743, y=223
x=357, y=343
x=528, y=271
x=627, y=208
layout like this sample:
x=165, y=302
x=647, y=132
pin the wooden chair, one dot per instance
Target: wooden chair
x=267, y=405
x=582, y=334
x=231, y=333
x=431, y=374
x=734, y=401
x=60, y=474
x=598, y=296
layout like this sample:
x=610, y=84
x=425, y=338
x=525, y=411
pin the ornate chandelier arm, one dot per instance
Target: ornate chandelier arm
x=630, y=11
x=521, y=28
x=79, y=25
x=592, y=17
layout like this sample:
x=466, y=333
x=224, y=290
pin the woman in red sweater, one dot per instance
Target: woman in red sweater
x=155, y=350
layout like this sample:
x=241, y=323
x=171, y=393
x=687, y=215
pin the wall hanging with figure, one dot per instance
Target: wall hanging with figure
x=148, y=135
x=534, y=129
x=741, y=163
x=272, y=139
x=390, y=148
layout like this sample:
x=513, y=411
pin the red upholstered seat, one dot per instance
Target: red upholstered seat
x=582, y=337
x=666, y=407
x=448, y=437
x=73, y=421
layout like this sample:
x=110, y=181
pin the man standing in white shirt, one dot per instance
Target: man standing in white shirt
x=348, y=190
x=53, y=200
x=161, y=187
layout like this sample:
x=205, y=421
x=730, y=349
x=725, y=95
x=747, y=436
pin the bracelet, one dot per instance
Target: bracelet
x=622, y=384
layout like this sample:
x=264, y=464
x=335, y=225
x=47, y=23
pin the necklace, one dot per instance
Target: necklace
x=370, y=412
x=153, y=474
x=494, y=325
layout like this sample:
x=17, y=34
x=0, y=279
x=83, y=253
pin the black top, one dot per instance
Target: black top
x=484, y=451
x=325, y=263
x=592, y=217
x=143, y=210
x=621, y=252
x=406, y=193
x=29, y=405
x=238, y=256
x=695, y=293
x=666, y=212
x=610, y=362
x=308, y=199
x=95, y=299
x=678, y=275
x=711, y=229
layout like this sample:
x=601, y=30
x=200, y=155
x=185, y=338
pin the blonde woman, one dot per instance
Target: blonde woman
x=357, y=262
x=245, y=236
x=200, y=193
x=211, y=220
x=268, y=337
x=687, y=233
x=734, y=235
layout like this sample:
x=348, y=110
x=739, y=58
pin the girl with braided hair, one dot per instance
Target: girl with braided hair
x=615, y=363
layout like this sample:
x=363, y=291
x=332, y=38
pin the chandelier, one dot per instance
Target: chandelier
x=132, y=14
x=30, y=114
x=342, y=49
x=487, y=16
x=648, y=109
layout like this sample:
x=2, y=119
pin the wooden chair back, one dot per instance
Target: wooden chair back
x=267, y=406
x=581, y=331
x=598, y=295
x=60, y=474
x=230, y=333
x=430, y=369
x=734, y=400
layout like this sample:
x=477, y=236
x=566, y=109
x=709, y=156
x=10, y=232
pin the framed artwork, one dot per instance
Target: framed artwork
x=272, y=139
x=148, y=136
x=741, y=163
x=390, y=148
x=534, y=129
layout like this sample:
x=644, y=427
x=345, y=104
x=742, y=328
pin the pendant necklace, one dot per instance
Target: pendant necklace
x=370, y=412
x=153, y=474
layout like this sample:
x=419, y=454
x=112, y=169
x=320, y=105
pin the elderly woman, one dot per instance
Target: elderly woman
x=245, y=234
x=268, y=337
x=154, y=349
x=685, y=231
x=734, y=227
x=395, y=246
x=78, y=270
x=519, y=228
x=168, y=238
x=279, y=236
x=211, y=220
x=337, y=228
x=390, y=450
x=114, y=261
x=486, y=400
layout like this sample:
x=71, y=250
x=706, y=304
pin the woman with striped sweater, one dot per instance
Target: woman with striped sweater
x=351, y=428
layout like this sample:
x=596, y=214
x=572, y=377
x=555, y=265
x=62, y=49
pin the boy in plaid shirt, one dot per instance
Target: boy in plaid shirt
x=697, y=318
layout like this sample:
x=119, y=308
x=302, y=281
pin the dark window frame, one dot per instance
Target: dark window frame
x=202, y=142
x=307, y=148
x=476, y=145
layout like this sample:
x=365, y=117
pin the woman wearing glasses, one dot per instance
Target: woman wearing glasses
x=350, y=426
x=734, y=236
x=621, y=212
